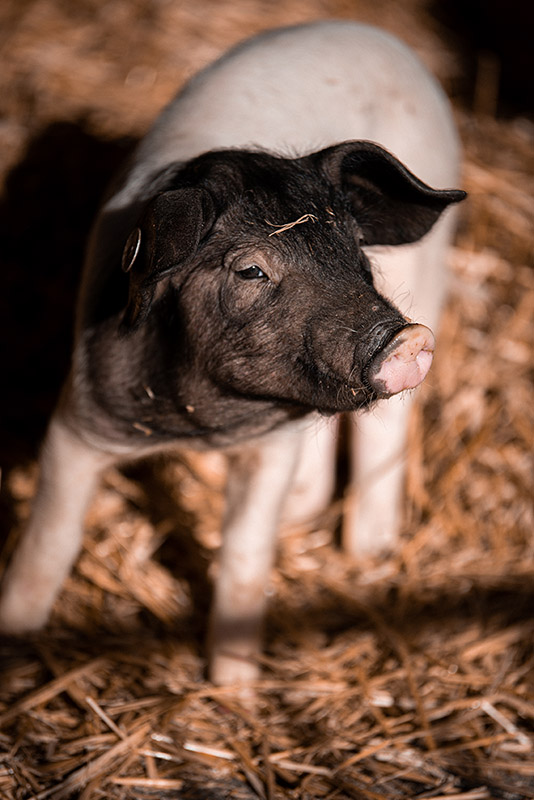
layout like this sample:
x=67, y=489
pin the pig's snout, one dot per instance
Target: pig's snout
x=404, y=362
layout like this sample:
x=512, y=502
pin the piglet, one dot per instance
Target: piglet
x=247, y=281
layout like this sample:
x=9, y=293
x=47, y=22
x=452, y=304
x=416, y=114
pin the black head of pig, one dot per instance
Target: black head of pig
x=249, y=291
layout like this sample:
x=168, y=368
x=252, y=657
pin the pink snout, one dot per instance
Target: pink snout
x=404, y=361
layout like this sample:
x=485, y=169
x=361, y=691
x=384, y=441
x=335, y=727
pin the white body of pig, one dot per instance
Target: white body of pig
x=291, y=91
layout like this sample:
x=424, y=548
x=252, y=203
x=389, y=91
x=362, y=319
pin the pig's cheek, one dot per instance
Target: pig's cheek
x=239, y=300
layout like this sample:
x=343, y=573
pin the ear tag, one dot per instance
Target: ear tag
x=131, y=250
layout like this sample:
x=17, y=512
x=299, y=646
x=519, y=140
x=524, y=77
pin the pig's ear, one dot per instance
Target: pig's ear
x=390, y=204
x=165, y=239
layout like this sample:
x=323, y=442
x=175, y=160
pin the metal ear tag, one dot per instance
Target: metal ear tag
x=131, y=250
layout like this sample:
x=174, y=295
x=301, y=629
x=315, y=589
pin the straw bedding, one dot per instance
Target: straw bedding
x=408, y=677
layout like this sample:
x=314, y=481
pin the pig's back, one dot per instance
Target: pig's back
x=299, y=89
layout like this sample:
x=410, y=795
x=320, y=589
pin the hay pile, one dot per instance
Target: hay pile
x=402, y=678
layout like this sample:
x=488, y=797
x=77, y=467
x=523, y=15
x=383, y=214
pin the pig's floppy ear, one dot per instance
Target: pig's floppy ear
x=390, y=205
x=166, y=237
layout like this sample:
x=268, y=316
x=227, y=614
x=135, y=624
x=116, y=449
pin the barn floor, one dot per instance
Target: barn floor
x=408, y=677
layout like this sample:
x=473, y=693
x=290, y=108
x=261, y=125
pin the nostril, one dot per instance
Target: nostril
x=382, y=333
x=404, y=362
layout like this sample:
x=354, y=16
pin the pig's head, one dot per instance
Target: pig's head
x=248, y=269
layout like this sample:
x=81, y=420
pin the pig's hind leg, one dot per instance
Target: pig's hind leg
x=373, y=504
x=69, y=471
x=415, y=278
x=259, y=478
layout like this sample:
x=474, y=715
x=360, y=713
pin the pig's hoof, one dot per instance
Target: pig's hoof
x=370, y=544
x=228, y=670
x=17, y=617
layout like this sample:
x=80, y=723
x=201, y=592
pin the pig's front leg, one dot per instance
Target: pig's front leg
x=373, y=504
x=69, y=470
x=259, y=478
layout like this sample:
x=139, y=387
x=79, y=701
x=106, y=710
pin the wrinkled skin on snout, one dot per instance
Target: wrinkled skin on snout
x=245, y=297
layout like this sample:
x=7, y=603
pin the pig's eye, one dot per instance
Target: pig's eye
x=251, y=272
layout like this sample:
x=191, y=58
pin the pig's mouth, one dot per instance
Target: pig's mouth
x=400, y=362
x=333, y=394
